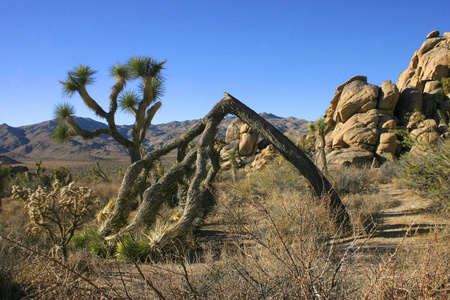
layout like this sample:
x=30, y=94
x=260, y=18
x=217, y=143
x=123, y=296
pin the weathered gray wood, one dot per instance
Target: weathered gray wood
x=292, y=153
x=134, y=180
x=154, y=196
x=199, y=196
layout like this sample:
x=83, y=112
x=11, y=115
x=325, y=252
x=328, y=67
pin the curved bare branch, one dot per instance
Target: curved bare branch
x=131, y=187
x=199, y=195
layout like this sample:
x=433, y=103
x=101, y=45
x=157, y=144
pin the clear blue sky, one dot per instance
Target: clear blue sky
x=283, y=57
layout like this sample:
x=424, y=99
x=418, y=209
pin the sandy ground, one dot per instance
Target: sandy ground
x=411, y=218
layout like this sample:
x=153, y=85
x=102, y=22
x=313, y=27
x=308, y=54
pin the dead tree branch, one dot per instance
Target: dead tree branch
x=199, y=196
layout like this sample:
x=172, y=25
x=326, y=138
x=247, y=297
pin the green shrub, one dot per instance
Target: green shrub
x=89, y=239
x=446, y=85
x=129, y=248
x=61, y=174
x=428, y=173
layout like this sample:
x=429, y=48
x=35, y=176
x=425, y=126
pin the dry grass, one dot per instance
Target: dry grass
x=267, y=238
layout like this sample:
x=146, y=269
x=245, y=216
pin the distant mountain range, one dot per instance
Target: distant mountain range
x=34, y=142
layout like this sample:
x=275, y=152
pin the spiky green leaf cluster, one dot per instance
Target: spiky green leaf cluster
x=317, y=126
x=157, y=86
x=145, y=67
x=89, y=239
x=77, y=78
x=63, y=111
x=128, y=101
x=129, y=248
x=61, y=133
x=120, y=71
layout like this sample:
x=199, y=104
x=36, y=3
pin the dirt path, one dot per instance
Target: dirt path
x=412, y=211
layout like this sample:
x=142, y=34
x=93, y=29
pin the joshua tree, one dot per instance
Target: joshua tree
x=317, y=128
x=146, y=69
x=200, y=197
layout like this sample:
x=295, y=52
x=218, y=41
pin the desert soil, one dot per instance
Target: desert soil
x=412, y=218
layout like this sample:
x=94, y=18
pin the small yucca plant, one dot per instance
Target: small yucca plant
x=89, y=239
x=129, y=248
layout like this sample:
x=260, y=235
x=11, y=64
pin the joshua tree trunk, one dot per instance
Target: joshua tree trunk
x=134, y=152
x=199, y=196
x=321, y=158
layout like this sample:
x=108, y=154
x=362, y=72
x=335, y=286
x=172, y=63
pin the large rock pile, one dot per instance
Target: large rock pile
x=244, y=141
x=250, y=151
x=239, y=137
x=362, y=115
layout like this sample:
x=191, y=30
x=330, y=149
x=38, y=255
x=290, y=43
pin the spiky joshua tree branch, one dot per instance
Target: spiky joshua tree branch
x=142, y=105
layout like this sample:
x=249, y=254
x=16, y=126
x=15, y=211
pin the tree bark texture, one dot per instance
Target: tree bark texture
x=199, y=196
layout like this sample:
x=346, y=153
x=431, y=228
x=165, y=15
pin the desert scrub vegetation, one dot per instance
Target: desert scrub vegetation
x=428, y=173
x=5, y=171
x=59, y=212
x=359, y=188
x=266, y=238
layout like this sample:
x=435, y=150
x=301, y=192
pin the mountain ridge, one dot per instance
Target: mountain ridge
x=34, y=142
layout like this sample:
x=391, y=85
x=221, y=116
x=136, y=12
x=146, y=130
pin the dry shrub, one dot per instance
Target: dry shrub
x=280, y=247
x=365, y=211
x=11, y=267
x=36, y=275
x=105, y=190
x=428, y=173
x=285, y=254
x=58, y=212
x=252, y=268
x=274, y=241
x=414, y=273
x=353, y=180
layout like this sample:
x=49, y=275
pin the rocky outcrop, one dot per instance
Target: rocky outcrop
x=350, y=156
x=357, y=97
x=248, y=140
x=266, y=155
x=359, y=129
x=420, y=85
x=248, y=146
x=362, y=116
x=240, y=138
